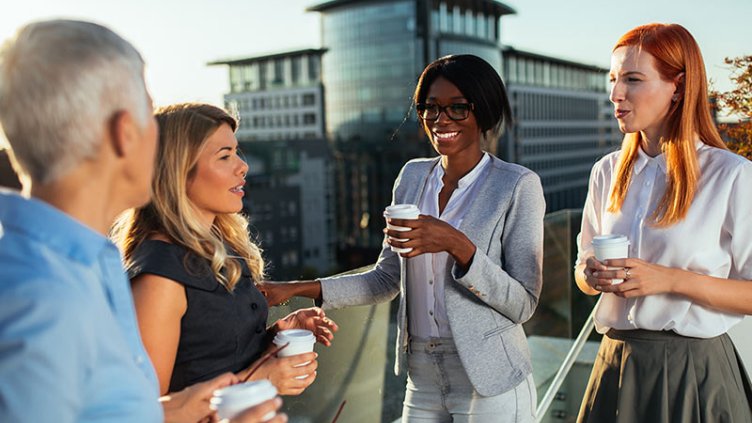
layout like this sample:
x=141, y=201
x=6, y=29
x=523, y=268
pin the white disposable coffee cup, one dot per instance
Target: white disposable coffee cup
x=300, y=341
x=232, y=400
x=401, y=211
x=611, y=247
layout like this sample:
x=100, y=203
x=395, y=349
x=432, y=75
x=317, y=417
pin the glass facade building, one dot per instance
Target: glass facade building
x=375, y=53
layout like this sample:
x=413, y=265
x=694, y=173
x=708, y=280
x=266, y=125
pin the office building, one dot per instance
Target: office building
x=375, y=52
x=288, y=199
x=277, y=96
x=563, y=123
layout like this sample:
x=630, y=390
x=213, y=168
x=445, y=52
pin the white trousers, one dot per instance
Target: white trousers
x=438, y=390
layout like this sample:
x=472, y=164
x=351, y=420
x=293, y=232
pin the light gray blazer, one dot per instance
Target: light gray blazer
x=487, y=304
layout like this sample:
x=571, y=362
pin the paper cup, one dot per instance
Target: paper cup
x=232, y=400
x=301, y=341
x=401, y=211
x=611, y=247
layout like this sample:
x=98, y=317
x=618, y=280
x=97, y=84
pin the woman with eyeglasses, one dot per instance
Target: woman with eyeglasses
x=683, y=201
x=473, y=275
x=193, y=266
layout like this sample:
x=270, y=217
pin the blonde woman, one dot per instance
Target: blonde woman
x=193, y=267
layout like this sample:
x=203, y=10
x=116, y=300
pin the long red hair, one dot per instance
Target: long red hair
x=675, y=52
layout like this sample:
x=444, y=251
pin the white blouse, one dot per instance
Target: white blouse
x=426, y=310
x=714, y=239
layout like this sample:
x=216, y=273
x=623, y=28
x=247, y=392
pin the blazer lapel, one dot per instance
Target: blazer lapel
x=417, y=186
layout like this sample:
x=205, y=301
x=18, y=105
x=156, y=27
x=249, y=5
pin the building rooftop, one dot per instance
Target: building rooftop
x=495, y=6
x=527, y=54
x=269, y=56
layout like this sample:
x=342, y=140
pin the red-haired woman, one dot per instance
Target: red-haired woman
x=683, y=201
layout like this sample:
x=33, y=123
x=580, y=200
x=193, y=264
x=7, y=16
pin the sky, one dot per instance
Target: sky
x=178, y=37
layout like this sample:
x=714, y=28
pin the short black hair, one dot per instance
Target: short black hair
x=477, y=80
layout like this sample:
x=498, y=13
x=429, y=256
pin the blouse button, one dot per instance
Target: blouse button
x=254, y=306
x=259, y=330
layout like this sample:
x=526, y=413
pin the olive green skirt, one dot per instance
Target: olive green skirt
x=642, y=376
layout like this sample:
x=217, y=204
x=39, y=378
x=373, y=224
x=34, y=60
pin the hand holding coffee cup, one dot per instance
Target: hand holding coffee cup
x=299, y=341
x=401, y=211
x=257, y=413
x=612, y=246
x=233, y=400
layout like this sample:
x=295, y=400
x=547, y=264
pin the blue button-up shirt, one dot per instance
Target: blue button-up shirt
x=70, y=350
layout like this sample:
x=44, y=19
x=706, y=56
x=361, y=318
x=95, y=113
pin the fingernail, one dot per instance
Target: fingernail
x=277, y=401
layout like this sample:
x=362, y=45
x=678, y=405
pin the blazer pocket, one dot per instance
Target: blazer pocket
x=497, y=330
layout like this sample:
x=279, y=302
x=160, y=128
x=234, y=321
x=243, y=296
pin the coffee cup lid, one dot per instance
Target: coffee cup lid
x=610, y=239
x=401, y=208
x=261, y=387
x=294, y=335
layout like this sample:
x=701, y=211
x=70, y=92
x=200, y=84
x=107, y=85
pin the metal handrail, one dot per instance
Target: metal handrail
x=566, y=366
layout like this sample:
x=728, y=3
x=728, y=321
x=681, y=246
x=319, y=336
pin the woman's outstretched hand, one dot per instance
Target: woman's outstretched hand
x=313, y=319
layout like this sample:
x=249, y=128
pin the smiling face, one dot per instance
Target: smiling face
x=451, y=137
x=215, y=185
x=642, y=99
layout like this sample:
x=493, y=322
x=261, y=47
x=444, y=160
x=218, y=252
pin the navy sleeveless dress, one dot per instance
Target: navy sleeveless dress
x=221, y=331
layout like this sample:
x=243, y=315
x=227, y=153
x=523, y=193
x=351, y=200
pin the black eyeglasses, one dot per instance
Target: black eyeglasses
x=454, y=111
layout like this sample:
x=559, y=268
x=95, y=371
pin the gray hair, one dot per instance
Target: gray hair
x=61, y=82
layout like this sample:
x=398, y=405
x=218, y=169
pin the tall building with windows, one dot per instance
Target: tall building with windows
x=277, y=96
x=288, y=201
x=375, y=51
x=563, y=122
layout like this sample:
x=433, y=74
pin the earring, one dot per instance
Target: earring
x=675, y=98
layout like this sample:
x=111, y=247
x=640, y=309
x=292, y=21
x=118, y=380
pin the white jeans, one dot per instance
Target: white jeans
x=438, y=390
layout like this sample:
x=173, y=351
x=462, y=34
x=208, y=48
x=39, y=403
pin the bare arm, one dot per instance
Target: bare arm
x=192, y=403
x=279, y=292
x=160, y=305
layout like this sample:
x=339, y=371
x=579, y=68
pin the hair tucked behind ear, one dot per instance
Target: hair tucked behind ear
x=184, y=129
x=676, y=52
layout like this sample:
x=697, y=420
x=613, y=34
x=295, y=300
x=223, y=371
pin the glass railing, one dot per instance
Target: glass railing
x=358, y=367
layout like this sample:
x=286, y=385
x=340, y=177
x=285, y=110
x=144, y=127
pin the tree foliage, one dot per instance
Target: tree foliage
x=738, y=103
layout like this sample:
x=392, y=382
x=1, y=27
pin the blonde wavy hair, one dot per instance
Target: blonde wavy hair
x=183, y=131
x=675, y=52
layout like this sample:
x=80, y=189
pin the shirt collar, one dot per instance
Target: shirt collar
x=46, y=224
x=466, y=180
x=643, y=159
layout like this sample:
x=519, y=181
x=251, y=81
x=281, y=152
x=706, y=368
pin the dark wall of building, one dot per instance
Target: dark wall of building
x=288, y=200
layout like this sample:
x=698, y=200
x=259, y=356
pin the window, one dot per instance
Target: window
x=309, y=119
x=295, y=69
x=308, y=99
x=313, y=68
x=279, y=73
